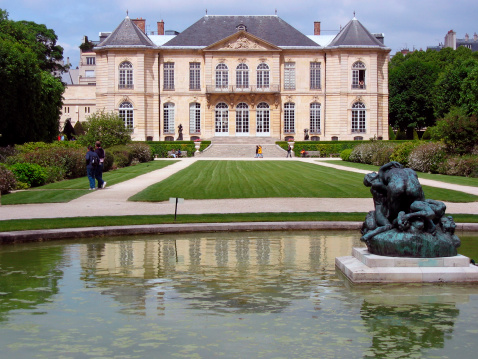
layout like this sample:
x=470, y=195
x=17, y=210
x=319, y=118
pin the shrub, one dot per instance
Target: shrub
x=345, y=154
x=427, y=157
x=7, y=180
x=7, y=152
x=401, y=135
x=30, y=173
x=373, y=152
x=402, y=151
x=123, y=156
x=109, y=160
x=391, y=134
x=460, y=166
x=427, y=135
x=106, y=127
x=382, y=156
x=141, y=151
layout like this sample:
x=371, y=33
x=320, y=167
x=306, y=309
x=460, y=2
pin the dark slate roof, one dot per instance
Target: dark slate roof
x=127, y=34
x=213, y=28
x=354, y=34
x=471, y=44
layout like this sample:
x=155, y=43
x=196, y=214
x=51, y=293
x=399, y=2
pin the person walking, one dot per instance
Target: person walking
x=99, y=169
x=92, y=162
x=289, y=151
x=259, y=152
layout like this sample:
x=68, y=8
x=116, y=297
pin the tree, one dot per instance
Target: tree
x=411, y=86
x=31, y=94
x=457, y=130
x=106, y=127
x=469, y=93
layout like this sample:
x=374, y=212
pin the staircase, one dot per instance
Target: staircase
x=242, y=147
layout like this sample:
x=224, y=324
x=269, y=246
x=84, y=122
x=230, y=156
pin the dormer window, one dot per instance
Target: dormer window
x=241, y=27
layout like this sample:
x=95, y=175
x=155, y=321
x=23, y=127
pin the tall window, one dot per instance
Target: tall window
x=358, y=75
x=195, y=117
x=315, y=75
x=222, y=118
x=242, y=118
x=358, y=117
x=222, y=76
x=126, y=75
x=262, y=118
x=242, y=76
x=315, y=118
x=289, y=76
x=90, y=60
x=126, y=114
x=194, y=76
x=168, y=76
x=263, y=76
x=168, y=115
x=289, y=117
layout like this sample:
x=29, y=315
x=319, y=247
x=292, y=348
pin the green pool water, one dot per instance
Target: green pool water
x=227, y=295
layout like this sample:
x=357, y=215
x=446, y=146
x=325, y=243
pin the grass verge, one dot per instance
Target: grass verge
x=270, y=179
x=463, y=181
x=67, y=190
x=104, y=221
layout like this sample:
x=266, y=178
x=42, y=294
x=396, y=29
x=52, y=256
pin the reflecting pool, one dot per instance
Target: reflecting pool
x=229, y=295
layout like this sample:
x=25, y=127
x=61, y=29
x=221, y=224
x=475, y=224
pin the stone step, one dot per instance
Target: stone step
x=224, y=150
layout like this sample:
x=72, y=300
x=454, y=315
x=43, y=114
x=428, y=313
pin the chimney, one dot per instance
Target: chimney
x=161, y=27
x=316, y=27
x=475, y=37
x=141, y=23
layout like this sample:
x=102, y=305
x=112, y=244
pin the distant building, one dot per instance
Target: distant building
x=452, y=42
x=236, y=76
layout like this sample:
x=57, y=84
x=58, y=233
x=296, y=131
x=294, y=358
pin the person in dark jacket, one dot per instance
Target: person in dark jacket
x=91, y=158
x=99, y=169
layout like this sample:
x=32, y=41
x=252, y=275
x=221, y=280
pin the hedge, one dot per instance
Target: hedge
x=161, y=148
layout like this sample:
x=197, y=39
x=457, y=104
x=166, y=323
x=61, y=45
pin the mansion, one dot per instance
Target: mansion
x=252, y=76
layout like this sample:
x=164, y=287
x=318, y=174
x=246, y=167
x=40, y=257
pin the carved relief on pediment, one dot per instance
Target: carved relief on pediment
x=242, y=43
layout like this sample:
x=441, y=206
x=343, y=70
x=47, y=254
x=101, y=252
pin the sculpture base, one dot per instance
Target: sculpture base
x=363, y=267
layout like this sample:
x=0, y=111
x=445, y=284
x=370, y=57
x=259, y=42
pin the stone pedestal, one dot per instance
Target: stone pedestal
x=363, y=267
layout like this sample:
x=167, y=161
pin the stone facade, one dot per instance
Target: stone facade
x=236, y=76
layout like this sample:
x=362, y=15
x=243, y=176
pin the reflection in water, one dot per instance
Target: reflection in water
x=408, y=329
x=235, y=295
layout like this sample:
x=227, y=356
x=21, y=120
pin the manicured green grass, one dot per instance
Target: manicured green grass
x=464, y=181
x=65, y=191
x=265, y=179
x=77, y=222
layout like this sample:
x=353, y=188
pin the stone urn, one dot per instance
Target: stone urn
x=197, y=145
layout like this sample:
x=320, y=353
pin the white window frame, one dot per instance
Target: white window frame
x=194, y=76
x=126, y=113
x=168, y=76
x=289, y=76
x=242, y=119
x=126, y=75
x=263, y=76
x=315, y=75
x=195, y=117
x=359, y=119
x=168, y=118
x=221, y=119
x=263, y=119
x=242, y=76
x=222, y=76
x=358, y=75
x=314, y=124
x=289, y=117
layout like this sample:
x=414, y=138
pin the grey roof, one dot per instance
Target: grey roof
x=127, y=34
x=213, y=28
x=354, y=34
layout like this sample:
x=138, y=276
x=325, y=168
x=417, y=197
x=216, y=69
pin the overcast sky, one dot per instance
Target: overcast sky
x=405, y=23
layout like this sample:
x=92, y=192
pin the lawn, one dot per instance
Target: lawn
x=464, y=181
x=263, y=179
x=67, y=190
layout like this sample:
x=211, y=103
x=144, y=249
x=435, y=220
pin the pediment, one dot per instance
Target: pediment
x=241, y=41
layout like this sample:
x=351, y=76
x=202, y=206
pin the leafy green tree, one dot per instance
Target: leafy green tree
x=31, y=94
x=106, y=127
x=457, y=130
x=469, y=93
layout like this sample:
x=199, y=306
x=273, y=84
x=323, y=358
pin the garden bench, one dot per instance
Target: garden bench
x=183, y=154
x=312, y=154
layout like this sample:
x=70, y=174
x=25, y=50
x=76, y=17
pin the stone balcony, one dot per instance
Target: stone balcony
x=211, y=89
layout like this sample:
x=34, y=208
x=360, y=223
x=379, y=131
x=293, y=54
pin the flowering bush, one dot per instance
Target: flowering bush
x=402, y=151
x=374, y=152
x=123, y=156
x=7, y=180
x=460, y=166
x=7, y=152
x=140, y=151
x=427, y=157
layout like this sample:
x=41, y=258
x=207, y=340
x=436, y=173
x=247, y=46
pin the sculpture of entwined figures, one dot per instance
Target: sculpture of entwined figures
x=180, y=132
x=404, y=223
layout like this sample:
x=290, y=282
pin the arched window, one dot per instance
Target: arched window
x=242, y=118
x=242, y=76
x=289, y=117
x=358, y=75
x=263, y=76
x=126, y=114
x=168, y=116
x=195, y=117
x=125, y=80
x=222, y=76
x=221, y=118
x=314, y=118
x=262, y=118
x=358, y=117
